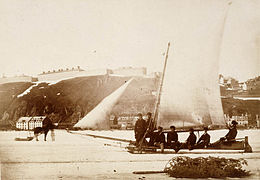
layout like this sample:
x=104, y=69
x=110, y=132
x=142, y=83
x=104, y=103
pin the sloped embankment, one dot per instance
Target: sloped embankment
x=69, y=100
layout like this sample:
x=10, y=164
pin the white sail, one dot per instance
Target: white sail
x=190, y=92
x=98, y=118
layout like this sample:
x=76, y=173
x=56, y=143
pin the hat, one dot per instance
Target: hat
x=234, y=122
x=172, y=127
x=159, y=127
x=149, y=113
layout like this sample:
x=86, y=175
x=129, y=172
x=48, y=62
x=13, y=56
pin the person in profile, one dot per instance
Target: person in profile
x=172, y=139
x=190, y=142
x=232, y=133
x=229, y=137
x=140, y=128
x=159, y=140
x=204, y=140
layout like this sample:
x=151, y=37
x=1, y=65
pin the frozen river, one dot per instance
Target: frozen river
x=74, y=156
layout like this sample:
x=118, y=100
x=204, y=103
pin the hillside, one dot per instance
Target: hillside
x=69, y=100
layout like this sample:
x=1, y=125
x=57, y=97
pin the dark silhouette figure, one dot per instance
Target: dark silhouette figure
x=172, y=139
x=232, y=133
x=140, y=128
x=159, y=139
x=190, y=142
x=204, y=140
x=46, y=126
x=229, y=137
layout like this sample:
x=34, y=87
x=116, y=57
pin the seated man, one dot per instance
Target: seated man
x=172, y=139
x=229, y=137
x=204, y=140
x=190, y=142
x=232, y=133
x=159, y=139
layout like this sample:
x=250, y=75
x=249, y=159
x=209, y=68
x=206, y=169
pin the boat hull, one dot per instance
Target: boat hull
x=240, y=145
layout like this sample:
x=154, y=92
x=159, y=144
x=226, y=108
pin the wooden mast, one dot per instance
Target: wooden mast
x=158, y=97
x=158, y=100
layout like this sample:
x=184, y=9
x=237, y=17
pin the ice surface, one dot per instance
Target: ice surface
x=76, y=156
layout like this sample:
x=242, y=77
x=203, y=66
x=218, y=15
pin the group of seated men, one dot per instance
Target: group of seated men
x=144, y=129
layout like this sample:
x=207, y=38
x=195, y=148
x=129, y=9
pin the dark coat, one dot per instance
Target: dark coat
x=150, y=124
x=192, y=139
x=172, y=137
x=159, y=137
x=205, y=139
x=232, y=133
x=140, y=126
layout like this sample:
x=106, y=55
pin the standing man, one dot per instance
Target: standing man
x=46, y=126
x=140, y=128
x=150, y=129
x=204, y=140
x=172, y=138
x=149, y=122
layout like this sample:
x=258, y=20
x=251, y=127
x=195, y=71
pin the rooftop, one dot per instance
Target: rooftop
x=62, y=70
x=24, y=119
x=27, y=119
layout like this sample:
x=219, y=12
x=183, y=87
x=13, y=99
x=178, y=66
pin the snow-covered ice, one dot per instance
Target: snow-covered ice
x=74, y=156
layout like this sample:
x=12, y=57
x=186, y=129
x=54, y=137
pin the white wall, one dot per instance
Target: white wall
x=70, y=74
x=15, y=79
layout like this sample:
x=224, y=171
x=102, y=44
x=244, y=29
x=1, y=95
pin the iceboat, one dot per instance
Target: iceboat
x=189, y=92
x=199, y=107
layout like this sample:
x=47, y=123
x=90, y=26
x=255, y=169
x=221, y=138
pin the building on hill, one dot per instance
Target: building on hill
x=22, y=78
x=29, y=123
x=243, y=86
x=36, y=121
x=130, y=71
x=127, y=121
x=241, y=120
x=70, y=73
x=232, y=84
x=23, y=123
x=253, y=85
x=59, y=74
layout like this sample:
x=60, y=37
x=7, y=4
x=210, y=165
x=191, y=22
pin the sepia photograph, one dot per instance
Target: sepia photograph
x=129, y=89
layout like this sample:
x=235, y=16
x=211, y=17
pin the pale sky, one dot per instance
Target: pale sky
x=42, y=35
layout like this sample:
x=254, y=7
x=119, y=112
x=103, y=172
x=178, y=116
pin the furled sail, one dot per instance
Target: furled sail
x=190, y=94
x=98, y=118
